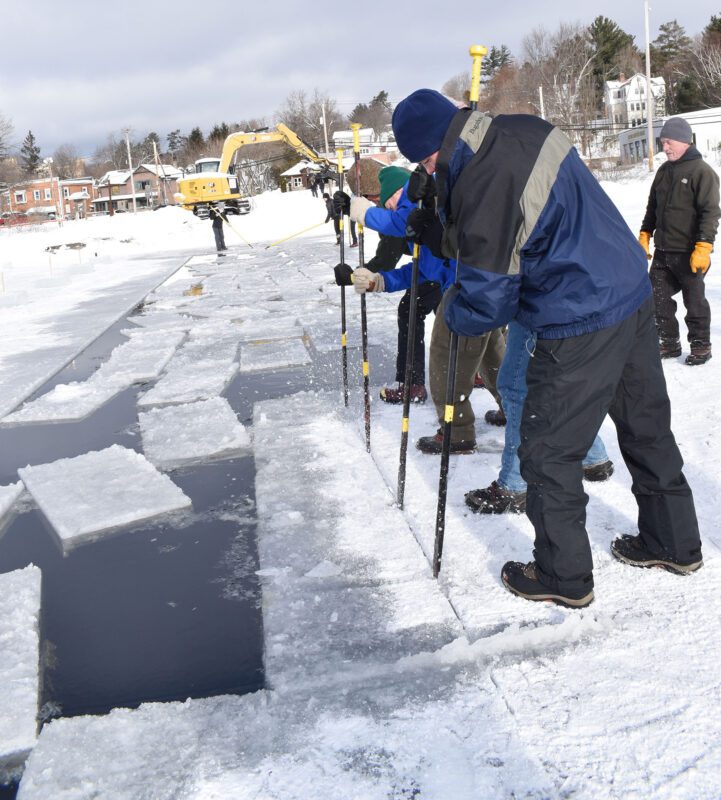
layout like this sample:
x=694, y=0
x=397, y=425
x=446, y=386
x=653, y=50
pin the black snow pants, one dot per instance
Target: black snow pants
x=429, y=298
x=670, y=274
x=572, y=384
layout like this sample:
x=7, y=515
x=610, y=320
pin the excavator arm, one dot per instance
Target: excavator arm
x=281, y=134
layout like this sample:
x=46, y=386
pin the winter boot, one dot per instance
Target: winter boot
x=669, y=348
x=522, y=580
x=496, y=500
x=495, y=417
x=598, y=472
x=631, y=550
x=700, y=354
x=432, y=445
x=394, y=394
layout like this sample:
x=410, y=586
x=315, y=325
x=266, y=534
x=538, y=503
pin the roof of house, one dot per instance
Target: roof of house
x=166, y=170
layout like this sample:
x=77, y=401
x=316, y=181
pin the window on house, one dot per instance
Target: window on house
x=66, y=192
x=20, y=197
x=36, y=194
x=48, y=194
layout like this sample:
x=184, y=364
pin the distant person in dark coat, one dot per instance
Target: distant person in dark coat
x=332, y=214
x=218, y=218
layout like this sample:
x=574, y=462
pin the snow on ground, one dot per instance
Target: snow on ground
x=19, y=612
x=378, y=683
x=98, y=491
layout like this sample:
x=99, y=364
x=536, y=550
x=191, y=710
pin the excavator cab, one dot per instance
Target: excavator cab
x=207, y=165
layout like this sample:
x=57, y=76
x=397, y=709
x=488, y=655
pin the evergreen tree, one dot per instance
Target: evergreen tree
x=610, y=44
x=30, y=155
x=497, y=58
x=196, y=140
x=670, y=58
x=221, y=131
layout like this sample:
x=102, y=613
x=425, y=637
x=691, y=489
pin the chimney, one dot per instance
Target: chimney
x=622, y=77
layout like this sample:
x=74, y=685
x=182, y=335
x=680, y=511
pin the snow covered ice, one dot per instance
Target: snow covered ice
x=19, y=657
x=8, y=496
x=179, y=434
x=381, y=682
x=97, y=491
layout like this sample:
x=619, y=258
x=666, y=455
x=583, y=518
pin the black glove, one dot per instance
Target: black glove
x=424, y=227
x=342, y=274
x=341, y=203
x=421, y=186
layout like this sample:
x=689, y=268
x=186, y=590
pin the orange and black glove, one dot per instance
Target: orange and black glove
x=701, y=257
x=644, y=239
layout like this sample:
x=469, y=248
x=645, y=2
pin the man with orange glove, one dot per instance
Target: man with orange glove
x=682, y=216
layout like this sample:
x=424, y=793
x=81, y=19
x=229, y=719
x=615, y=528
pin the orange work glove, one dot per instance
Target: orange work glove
x=701, y=257
x=644, y=239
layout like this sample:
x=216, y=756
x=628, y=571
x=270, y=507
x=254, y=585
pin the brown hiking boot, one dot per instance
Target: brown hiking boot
x=700, y=354
x=523, y=580
x=631, y=550
x=496, y=499
x=394, y=394
x=432, y=445
x=669, y=348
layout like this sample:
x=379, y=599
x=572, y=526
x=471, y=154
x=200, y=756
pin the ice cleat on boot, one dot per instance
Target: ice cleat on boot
x=496, y=499
x=598, y=472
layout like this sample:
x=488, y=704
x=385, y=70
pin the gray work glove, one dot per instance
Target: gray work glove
x=358, y=208
x=366, y=281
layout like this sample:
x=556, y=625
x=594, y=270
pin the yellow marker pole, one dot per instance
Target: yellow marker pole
x=343, y=338
x=355, y=127
x=476, y=51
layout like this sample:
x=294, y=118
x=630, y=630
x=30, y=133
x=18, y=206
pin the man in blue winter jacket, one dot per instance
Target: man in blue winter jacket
x=537, y=240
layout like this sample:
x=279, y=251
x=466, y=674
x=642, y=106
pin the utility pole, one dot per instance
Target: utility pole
x=650, y=102
x=325, y=128
x=130, y=167
x=157, y=173
x=540, y=97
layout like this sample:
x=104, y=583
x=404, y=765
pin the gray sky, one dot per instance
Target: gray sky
x=77, y=71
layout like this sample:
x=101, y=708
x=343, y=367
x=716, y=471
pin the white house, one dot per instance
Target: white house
x=368, y=141
x=626, y=103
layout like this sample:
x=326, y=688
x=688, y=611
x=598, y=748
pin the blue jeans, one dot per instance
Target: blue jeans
x=520, y=343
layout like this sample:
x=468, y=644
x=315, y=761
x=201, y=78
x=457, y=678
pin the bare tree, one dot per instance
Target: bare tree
x=6, y=132
x=458, y=87
x=561, y=64
x=707, y=60
x=506, y=93
x=303, y=116
x=67, y=163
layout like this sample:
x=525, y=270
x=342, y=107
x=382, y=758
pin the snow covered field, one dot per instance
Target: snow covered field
x=382, y=683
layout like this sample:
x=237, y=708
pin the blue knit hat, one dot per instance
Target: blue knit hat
x=420, y=122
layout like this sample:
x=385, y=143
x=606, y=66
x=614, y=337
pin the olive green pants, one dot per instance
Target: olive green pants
x=481, y=354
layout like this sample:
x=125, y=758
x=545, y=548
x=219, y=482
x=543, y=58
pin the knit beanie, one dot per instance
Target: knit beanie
x=677, y=129
x=391, y=180
x=420, y=122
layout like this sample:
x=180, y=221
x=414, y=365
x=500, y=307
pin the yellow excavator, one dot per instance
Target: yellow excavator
x=212, y=183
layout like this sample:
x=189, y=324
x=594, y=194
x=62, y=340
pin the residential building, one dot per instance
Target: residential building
x=369, y=142
x=626, y=102
x=149, y=186
x=49, y=196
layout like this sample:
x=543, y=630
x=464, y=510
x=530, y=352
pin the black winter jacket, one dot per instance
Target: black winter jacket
x=683, y=206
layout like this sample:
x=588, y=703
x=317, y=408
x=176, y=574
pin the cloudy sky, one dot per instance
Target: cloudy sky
x=77, y=71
